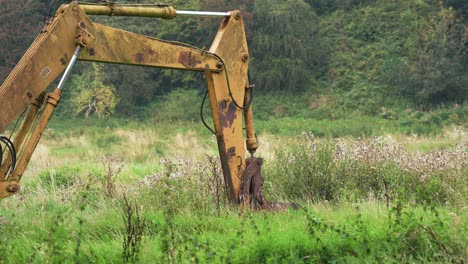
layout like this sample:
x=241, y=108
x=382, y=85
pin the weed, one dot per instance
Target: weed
x=134, y=229
x=113, y=167
x=79, y=234
x=215, y=182
x=168, y=239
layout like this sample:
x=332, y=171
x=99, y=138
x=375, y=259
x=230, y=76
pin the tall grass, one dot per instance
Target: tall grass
x=363, y=200
x=336, y=170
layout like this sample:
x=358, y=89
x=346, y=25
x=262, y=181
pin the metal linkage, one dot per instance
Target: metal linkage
x=52, y=101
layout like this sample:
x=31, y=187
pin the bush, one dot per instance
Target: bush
x=177, y=105
x=332, y=170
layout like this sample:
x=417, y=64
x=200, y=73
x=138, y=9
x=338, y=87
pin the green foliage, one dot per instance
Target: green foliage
x=324, y=7
x=92, y=96
x=365, y=200
x=358, y=39
x=286, y=47
x=177, y=105
x=332, y=171
x=434, y=70
x=60, y=177
x=139, y=87
x=106, y=140
x=361, y=54
x=385, y=54
x=134, y=227
x=366, y=233
x=20, y=22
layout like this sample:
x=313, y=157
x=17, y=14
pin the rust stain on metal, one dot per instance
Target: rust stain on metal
x=186, y=59
x=64, y=59
x=228, y=113
x=231, y=152
x=139, y=57
x=92, y=52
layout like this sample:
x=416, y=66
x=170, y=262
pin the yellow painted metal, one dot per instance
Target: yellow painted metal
x=113, y=45
x=51, y=51
x=225, y=66
x=8, y=188
x=46, y=59
x=230, y=44
x=52, y=101
x=20, y=138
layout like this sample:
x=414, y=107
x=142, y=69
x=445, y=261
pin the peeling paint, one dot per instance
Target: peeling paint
x=231, y=152
x=139, y=57
x=227, y=113
x=92, y=52
x=186, y=59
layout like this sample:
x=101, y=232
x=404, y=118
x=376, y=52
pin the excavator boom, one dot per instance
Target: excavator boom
x=72, y=35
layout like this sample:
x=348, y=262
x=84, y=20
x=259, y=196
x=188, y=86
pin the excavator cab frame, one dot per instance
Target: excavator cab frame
x=71, y=35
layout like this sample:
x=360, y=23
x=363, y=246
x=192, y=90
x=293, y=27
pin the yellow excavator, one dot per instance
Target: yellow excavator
x=71, y=35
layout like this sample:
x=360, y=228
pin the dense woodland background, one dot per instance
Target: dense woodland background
x=314, y=58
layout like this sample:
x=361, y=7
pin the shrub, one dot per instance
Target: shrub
x=177, y=105
x=334, y=170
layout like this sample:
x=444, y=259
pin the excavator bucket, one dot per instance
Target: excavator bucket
x=251, y=189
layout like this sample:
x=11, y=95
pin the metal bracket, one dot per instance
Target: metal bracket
x=8, y=188
x=84, y=37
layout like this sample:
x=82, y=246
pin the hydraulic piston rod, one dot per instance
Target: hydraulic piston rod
x=51, y=103
x=203, y=13
x=69, y=67
x=161, y=11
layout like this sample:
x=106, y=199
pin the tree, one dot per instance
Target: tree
x=435, y=68
x=91, y=96
x=20, y=22
x=287, y=51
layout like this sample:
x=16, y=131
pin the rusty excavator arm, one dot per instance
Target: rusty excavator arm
x=71, y=35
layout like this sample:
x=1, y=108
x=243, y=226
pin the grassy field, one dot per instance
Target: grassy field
x=115, y=191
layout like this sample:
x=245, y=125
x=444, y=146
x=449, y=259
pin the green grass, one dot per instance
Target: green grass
x=409, y=123
x=378, y=199
x=366, y=232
